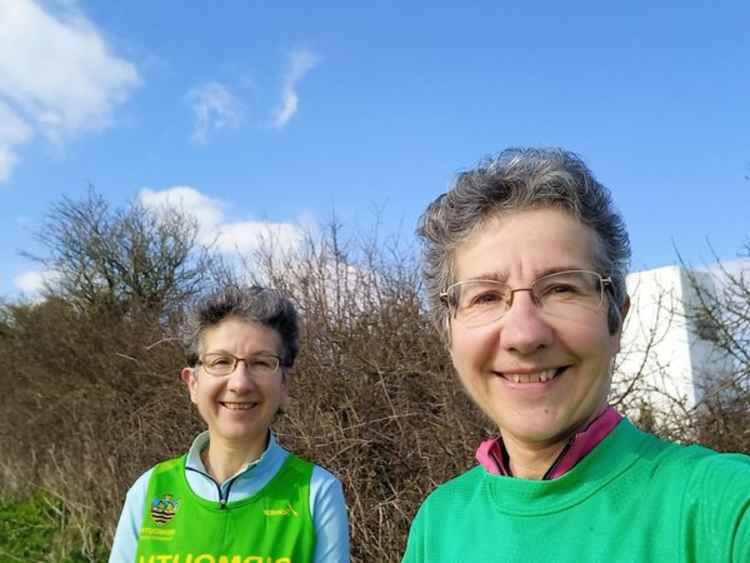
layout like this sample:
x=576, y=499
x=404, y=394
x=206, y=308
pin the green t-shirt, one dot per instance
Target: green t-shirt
x=634, y=499
x=272, y=526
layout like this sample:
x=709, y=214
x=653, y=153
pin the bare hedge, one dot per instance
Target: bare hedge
x=92, y=396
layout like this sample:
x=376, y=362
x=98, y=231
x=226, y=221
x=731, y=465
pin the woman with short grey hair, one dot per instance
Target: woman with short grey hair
x=524, y=262
x=236, y=494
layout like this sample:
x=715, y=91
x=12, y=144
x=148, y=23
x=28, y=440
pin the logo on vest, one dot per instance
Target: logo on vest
x=163, y=509
x=281, y=511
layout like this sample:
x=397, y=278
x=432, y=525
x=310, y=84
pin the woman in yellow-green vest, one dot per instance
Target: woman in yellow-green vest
x=236, y=495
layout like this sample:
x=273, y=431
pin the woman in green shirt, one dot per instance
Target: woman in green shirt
x=524, y=264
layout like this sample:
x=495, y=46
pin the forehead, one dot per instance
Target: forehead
x=523, y=245
x=240, y=337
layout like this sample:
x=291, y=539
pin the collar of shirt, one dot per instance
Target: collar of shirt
x=250, y=478
x=493, y=456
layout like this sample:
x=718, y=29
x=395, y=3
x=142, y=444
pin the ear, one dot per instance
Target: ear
x=287, y=374
x=623, y=315
x=447, y=333
x=191, y=381
x=624, y=310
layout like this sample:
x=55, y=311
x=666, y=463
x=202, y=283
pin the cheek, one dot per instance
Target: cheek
x=201, y=392
x=466, y=362
x=469, y=350
x=589, y=337
x=194, y=395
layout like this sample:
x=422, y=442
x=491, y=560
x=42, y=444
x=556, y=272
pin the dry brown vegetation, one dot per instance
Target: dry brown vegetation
x=92, y=396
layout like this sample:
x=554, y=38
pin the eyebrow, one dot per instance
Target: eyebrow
x=253, y=355
x=495, y=276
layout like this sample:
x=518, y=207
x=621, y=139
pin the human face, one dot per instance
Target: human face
x=238, y=408
x=517, y=249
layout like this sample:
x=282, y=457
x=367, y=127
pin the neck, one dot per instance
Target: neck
x=531, y=461
x=222, y=459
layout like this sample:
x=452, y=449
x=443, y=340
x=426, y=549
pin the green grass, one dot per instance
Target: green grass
x=32, y=530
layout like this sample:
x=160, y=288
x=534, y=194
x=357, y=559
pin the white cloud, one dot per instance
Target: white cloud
x=14, y=131
x=214, y=108
x=247, y=236
x=58, y=76
x=300, y=63
x=228, y=237
x=207, y=211
x=34, y=282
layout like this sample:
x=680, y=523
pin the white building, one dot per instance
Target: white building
x=672, y=355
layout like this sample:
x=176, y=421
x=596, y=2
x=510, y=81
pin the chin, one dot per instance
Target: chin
x=539, y=432
x=240, y=434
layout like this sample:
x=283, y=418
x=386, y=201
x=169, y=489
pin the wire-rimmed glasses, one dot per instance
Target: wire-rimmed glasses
x=478, y=302
x=220, y=364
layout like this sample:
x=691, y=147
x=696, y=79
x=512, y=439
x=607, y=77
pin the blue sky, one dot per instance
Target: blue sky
x=258, y=113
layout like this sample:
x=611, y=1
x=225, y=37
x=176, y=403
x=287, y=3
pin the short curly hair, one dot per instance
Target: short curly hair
x=266, y=306
x=519, y=179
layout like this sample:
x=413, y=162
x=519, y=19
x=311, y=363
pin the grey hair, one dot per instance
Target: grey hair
x=515, y=180
x=268, y=307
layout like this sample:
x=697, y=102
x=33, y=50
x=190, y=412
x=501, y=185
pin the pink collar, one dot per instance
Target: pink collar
x=492, y=455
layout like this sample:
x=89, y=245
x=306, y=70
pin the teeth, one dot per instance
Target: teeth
x=537, y=377
x=239, y=406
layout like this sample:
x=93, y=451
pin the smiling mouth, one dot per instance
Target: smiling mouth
x=541, y=376
x=236, y=406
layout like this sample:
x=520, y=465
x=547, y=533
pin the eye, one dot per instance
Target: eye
x=559, y=291
x=486, y=297
x=561, y=288
x=264, y=363
x=219, y=361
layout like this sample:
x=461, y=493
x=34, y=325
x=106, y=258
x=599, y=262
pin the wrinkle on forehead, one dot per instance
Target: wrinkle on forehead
x=503, y=277
x=526, y=271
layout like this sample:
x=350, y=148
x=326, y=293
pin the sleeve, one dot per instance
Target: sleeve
x=720, y=508
x=125, y=543
x=328, y=507
x=415, y=543
x=741, y=547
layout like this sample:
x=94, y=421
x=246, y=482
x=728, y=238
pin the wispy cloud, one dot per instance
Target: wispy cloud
x=300, y=63
x=214, y=108
x=58, y=76
x=14, y=131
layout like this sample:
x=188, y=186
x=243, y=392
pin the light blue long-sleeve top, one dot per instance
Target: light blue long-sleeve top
x=327, y=502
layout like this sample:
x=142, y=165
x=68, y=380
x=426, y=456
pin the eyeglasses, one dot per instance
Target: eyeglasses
x=475, y=303
x=223, y=363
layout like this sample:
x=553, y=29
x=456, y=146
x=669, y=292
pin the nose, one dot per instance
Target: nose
x=523, y=328
x=241, y=380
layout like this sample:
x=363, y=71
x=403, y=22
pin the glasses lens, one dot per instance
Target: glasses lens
x=225, y=364
x=263, y=366
x=219, y=364
x=565, y=293
x=479, y=302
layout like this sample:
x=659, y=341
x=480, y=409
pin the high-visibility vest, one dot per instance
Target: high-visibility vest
x=272, y=526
